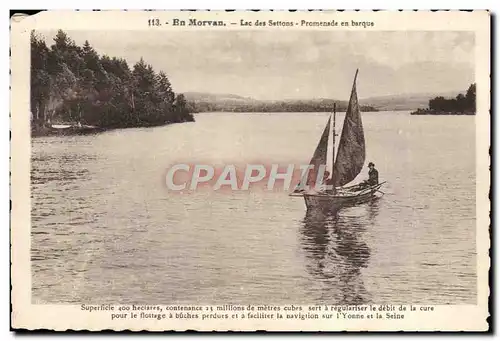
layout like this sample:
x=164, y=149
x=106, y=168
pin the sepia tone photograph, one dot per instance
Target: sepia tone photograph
x=265, y=166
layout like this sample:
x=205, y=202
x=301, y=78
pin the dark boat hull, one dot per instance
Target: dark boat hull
x=329, y=202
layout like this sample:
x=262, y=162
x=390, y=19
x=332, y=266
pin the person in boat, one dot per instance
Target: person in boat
x=321, y=187
x=326, y=177
x=324, y=182
x=372, y=176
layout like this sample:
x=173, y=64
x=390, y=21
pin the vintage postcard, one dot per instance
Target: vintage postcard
x=250, y=170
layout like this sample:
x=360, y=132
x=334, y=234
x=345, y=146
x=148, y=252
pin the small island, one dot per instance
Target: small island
x=74, y=90
x=460, y=105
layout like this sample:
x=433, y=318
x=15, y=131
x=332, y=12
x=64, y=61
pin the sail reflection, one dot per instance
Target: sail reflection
x=336, y=252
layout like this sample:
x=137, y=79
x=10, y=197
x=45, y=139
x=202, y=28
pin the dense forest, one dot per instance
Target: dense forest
x=460, y=105
x=74, y=84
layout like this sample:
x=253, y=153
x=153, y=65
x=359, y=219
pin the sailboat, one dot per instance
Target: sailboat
x=345, y=166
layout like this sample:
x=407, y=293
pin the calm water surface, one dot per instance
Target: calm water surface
x=106, y=230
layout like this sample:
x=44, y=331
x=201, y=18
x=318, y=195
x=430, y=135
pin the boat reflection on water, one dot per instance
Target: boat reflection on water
x=336, y=252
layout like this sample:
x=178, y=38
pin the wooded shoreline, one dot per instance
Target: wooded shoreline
x=72, y=130
x=87, y=92
x=460, y=105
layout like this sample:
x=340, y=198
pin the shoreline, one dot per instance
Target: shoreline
x=88, y=130
x=442, y=113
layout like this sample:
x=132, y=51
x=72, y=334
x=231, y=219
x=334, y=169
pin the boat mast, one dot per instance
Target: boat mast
x=334, y=116
x=333, y=146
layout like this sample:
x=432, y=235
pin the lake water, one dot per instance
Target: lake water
x=105, y=229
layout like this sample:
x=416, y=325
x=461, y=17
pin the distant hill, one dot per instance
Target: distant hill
x=207, y=102
x=205, y=96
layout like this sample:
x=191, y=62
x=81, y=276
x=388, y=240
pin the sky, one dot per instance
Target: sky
x=296, y=64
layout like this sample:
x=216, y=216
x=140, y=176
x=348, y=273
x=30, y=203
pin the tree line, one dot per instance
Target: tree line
x=71, y=83
x=462, y=103
x=325, y=105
